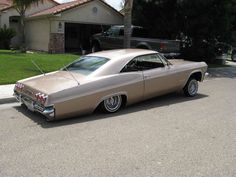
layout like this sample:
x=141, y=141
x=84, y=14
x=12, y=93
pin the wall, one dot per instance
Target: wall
x=38, y=34
x=6, y=14
x=36, y=7
x=94, y=12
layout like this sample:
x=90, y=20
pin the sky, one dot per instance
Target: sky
x=114, y=3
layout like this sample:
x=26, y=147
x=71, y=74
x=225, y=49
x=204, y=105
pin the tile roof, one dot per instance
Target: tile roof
x=60, y=8
x=66, y=6
x=5, y=4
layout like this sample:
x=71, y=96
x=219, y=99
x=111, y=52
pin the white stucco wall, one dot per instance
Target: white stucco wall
x=86, y=14
x=5, y=16
x=38, y=34
x=36, y=7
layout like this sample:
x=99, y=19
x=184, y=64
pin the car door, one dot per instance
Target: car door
x=133, y=82
x=158, y=76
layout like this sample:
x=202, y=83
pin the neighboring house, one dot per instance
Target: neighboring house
x=59, y=28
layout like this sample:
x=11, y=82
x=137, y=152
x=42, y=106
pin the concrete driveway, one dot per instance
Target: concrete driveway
x=166, y=137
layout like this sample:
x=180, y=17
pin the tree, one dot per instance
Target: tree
x=6, y=34
x=21, y=6
x=202, y=22
x=128, y=5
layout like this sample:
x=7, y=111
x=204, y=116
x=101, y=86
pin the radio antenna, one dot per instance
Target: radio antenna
x=72, y=75
x=38, y=67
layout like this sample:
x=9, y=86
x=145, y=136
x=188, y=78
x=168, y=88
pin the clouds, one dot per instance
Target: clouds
x=114, y=3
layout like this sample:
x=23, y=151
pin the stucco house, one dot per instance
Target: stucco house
x=59, y=28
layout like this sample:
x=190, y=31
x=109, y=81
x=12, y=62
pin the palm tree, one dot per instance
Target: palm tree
x=21, y=7
x=128, y=6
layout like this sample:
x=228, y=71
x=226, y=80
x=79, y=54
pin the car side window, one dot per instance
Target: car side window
x=131, y=66
x=152, y=61
x=113, y=31
x=143, y=63
x=164, y=60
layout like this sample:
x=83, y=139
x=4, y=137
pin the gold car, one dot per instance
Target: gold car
x=109, y=79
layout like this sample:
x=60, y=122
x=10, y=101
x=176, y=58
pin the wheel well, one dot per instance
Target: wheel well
x=197, y=76
x=124, y=101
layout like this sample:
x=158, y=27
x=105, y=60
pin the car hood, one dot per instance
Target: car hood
x=53, y=82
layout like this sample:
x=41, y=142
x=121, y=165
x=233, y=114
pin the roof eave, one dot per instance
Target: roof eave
x=40, y=16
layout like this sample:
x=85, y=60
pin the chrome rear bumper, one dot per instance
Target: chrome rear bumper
x=48, y=112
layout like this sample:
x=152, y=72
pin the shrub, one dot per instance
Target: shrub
x=6, y=34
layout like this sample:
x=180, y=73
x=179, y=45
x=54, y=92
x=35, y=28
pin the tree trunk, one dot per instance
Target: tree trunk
x=22, y=33
x=127, y=23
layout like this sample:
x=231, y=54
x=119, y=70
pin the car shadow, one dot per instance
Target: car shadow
x=161, y=101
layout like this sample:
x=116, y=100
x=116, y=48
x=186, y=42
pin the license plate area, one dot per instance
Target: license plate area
x=29, y=104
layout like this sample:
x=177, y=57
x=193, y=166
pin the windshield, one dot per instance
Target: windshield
x=86, y=65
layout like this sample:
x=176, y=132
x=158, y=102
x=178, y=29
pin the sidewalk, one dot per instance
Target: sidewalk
x=6, y=94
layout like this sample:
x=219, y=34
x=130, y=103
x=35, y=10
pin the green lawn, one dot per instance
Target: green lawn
x=15, y=66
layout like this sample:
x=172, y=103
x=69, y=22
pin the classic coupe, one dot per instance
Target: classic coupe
x=108, y=80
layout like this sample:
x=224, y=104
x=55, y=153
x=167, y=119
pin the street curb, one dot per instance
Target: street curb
x=7, y=100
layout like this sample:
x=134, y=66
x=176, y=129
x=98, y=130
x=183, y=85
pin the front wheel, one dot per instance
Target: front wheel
x=191, y=88
x=112, y=104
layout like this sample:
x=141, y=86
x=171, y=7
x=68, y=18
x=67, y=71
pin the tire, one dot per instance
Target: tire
x=112, y=104
x=234, y=57
x=95, y=47
x=191, y=88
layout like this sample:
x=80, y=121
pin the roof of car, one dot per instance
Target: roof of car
x=120, y=54
x=118, y=58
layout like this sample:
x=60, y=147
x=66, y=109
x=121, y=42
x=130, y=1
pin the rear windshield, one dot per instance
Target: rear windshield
x=86, y=65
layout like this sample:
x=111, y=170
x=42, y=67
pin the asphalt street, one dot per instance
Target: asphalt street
x=169, y=136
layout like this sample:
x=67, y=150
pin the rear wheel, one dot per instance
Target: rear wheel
x=112, y=104
x=191, y=88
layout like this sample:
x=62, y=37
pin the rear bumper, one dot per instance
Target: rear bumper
x=48, y=112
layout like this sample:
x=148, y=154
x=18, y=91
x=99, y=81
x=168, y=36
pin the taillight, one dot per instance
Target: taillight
x=19, y=86
x=40, y=97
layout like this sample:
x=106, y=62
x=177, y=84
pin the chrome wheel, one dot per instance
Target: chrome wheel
x=191, y=87
x=112, y=104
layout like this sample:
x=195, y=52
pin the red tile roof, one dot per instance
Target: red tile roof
x=5, y=4
x=66, y=6
x=60, y=8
